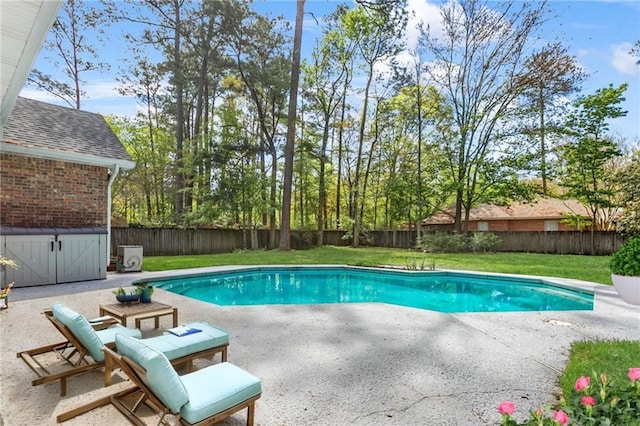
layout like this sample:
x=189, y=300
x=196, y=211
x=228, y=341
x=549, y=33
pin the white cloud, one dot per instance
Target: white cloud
x=623, y=61
x=101, y=89
x=101, y=97
x=426, y=13
x=31, y=93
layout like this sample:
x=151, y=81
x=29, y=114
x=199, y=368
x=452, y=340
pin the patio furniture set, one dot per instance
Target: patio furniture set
x=201, y=397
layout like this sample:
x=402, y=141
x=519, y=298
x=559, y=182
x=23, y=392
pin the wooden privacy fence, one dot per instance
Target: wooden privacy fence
x=569, y=242
x=173, y=241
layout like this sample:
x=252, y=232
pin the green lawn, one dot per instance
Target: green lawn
x=588, y=268
x=611, y=357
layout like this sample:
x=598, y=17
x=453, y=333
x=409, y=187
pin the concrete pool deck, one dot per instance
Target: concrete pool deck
x=362, y=364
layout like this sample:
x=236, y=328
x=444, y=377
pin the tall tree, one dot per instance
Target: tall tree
x=70, y=51
x=259, y=50
x=144, y=81
x=474, y=63
x=628, y=179
x=377, y=30
x=550, y=73
x=164, y=28
x=285, y=242
x=589, y=151
x=324, y=78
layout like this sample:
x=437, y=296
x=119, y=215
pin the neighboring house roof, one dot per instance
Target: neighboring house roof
x=542, y=208
x=39, y=129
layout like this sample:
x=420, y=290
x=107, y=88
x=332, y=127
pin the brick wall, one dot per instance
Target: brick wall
x=47, y=193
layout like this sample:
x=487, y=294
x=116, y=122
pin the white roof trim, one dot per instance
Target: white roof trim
x=70, y=157
x=24, y=27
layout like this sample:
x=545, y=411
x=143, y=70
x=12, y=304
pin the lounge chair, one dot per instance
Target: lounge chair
x=203, y=397
x=83, y=348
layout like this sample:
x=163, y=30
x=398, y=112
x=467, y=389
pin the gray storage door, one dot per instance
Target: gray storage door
x=36, y=256
x=54, y=255
x=81, y=257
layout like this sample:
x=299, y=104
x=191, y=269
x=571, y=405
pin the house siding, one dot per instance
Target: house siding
x=526, y=225
x=518, y=225
x=48, y=193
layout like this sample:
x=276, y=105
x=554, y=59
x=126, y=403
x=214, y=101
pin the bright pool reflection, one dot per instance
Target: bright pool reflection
x=437, y=291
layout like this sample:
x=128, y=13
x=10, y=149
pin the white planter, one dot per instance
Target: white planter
x=628, y=288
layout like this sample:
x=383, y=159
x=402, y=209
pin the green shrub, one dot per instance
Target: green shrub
x=484, y=242
x=626, y=261
x=441, y=242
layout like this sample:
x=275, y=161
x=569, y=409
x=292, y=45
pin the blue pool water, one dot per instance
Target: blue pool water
x=437, y=291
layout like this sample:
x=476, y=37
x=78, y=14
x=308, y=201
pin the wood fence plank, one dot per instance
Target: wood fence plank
x=173, y=241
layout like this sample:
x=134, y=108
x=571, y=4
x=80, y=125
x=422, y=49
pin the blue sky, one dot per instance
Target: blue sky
x=599, y=33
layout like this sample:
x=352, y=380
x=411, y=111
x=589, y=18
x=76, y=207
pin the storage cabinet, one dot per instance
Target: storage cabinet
x=54, y=255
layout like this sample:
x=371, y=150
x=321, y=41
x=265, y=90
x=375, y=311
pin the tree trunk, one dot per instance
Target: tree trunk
x=285, y=229
x=177, y=75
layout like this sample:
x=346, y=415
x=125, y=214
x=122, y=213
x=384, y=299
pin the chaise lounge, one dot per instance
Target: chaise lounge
x=203, y=397
x=83, y=352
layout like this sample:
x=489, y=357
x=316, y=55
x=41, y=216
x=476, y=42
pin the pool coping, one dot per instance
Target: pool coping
x=118, y=279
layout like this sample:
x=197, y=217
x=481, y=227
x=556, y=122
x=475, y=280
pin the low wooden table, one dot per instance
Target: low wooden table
x=139, y=311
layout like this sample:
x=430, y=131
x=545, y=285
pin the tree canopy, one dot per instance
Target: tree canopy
x=478, y=113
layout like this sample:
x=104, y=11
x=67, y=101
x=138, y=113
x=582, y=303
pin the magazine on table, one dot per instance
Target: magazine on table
x=183, y=330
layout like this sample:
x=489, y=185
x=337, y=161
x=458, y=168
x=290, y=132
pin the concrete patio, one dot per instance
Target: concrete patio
x=362, y=364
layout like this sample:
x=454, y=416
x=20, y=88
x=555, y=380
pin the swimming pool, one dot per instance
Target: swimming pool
x=433, y=290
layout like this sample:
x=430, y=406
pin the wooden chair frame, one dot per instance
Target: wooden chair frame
x=67, y=350
x=80, y=360
x=135, y=373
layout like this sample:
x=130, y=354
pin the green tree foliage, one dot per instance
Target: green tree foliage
x=376, y=32
x=325, y=79
x=285, y=243
x=139, y=195
x=474, y=63
x=628, y=179
x=588, y=154
x=386, y=150
x=263, y=64
x=551, y=74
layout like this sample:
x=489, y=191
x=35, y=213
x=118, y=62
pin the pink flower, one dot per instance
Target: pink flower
x=507, y=407
x=582, y=383
x=587, y=400
x=561, y=417
x=634, y=374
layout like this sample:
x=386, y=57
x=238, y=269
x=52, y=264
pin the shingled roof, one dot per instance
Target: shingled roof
x=51, y=131
x=542, y=208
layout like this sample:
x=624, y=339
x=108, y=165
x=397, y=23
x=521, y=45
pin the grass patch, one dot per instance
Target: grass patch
x=588, y=268
x=612, y=357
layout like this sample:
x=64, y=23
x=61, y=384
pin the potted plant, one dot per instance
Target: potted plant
x=4, y=296
x=625, y=268
x=5, y=289
x=123, y=297
x=145, y=291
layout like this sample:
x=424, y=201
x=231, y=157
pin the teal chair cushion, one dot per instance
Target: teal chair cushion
x=215, y=389
x=80, y=328
x=108, y=335
x=178, y=346
x=91, y=339
x=160, y=376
